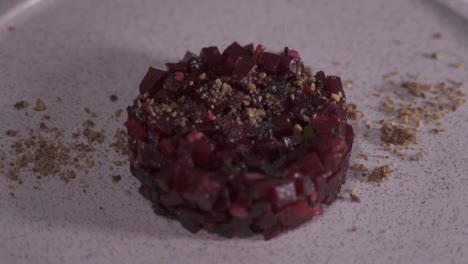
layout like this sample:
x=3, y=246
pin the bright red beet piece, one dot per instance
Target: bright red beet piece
x=241, y=142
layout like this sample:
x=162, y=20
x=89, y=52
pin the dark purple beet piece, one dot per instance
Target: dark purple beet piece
x=153, y=81
x=241, y=142
x=270, y=62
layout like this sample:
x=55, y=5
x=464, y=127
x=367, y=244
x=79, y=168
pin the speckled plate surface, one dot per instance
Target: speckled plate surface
x=83, y=51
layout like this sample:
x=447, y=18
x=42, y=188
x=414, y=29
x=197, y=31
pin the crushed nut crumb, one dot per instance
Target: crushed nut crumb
x=379, y=174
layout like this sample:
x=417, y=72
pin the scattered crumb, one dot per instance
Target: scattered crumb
x=416, y=88
x=438, y=35
x=93, y=135
x=118, y=113
x=380, y=174
x=386, y=231
x=352, y=110
x=397, y=134
x=436, y=56
x=116, y=178
x=11, y=133
x=361, y=167
x=364, y=156
x=40, y=105
x=113, y=98
x=21, y=105
x=354, y=198
x=417, y=157
x=459, y=66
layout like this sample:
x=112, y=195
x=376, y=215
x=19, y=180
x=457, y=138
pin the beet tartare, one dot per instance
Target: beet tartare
x=241, y=142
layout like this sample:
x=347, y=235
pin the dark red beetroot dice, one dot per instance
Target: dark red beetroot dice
x=240, y=142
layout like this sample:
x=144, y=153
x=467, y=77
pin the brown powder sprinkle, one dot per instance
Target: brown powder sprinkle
x=40, y=105
x=120, y=142
x=379, y=174
x=43, y=151
x=21, y=105
x=93, y=135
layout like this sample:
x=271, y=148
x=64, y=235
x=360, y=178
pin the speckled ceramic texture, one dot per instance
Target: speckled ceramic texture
x=85, y=50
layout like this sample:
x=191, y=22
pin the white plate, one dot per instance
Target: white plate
x=85, y=50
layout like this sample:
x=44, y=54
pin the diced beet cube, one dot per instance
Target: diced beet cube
x=249, y=48
x=210, y=54
x=173, y=82
x=282, y=125
x=203, y=193
x=334, y=85
x=295, y=214
x=294, y=53
x=272, y=231
x=234, y=133
x=161, y=127
x=229, y=64
x=234, y=50
x=238, y=211
x=135, y=130
x=254, y=176
x=166, y=147
x=285, y=193
x=211, y=116
x=153, y=81
x=243, y=69
x=212, y=57
x=202, y=153
x=189, y=56
x=195, y=66
x=304, y=186
x=266, y=221
x=149, y=156
x=199, y=114
x=194, y=136
x=269, y=150
x=171, y=199
x=270, y=62
x=258, y=52
x=190, y=219
x=208, y=128
x=286, y=64
x=179, y=76
x=176, y=67
x=311, y=165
